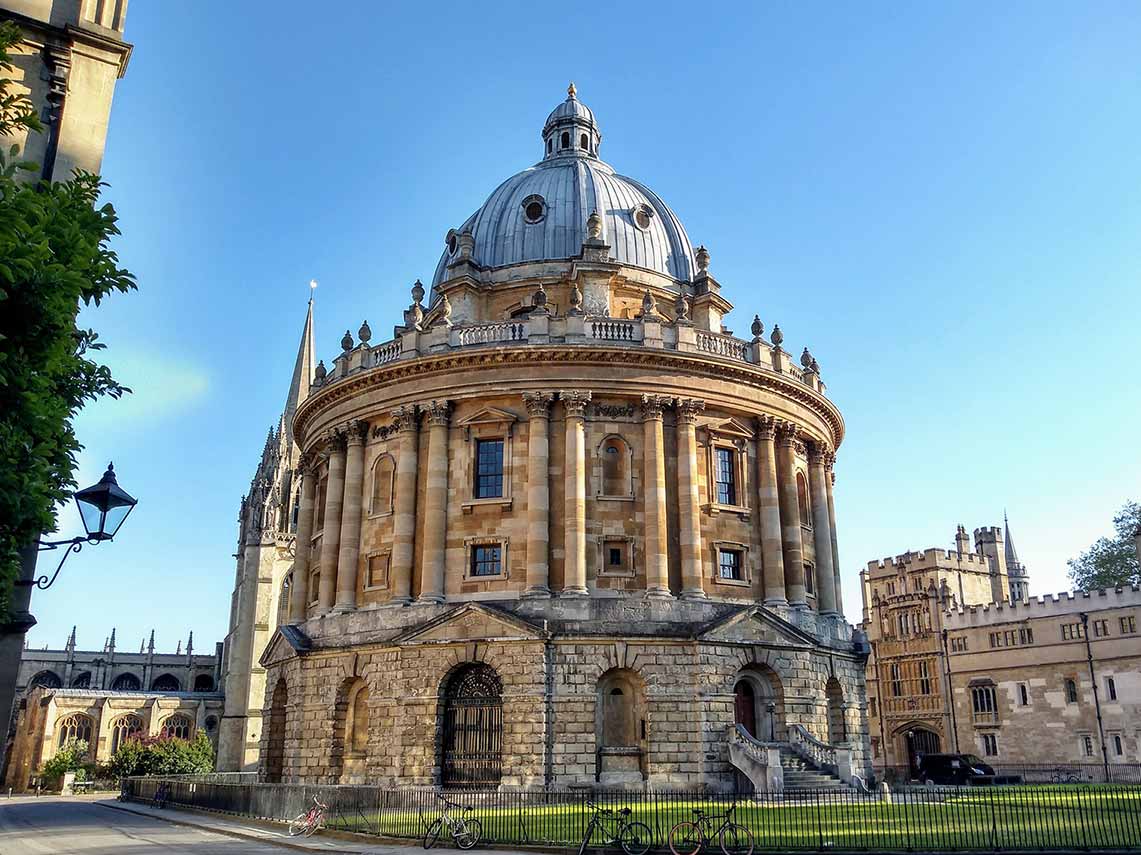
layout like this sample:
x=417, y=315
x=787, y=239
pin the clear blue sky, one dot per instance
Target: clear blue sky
x=941, y=200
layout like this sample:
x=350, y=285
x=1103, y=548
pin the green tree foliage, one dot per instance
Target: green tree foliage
x=1110, y=562
x=164, y=756
x=54, y=257
x=70, y=758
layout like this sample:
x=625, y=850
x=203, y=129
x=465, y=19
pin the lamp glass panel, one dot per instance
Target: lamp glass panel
x=115, y=518
x=92, y=517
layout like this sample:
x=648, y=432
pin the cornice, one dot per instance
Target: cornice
x=530, y=355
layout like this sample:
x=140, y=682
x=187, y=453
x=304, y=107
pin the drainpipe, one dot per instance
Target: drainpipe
x=549, y=709
x=950, y=694
x=1096, y=699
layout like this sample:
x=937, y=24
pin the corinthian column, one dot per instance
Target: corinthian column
x=692, y=581
x=538, y=494
x=829, y=480
x=654, y=483
x=574, y=576
x=821, y=530
x=790, y=515
x=299, y=591
x=331, y=538
x=436, y=504
x=769, y=502
x=404, y=508
x=350, y=552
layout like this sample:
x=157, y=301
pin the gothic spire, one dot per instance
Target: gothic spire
x=70, y=646
x=151, y=643
x=1011, y=552
x=190, y=645
x=111, y=643
x=303, y=368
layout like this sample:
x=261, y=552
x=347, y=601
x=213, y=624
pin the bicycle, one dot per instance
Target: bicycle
x=162, y=794
x=465, y=830
x=633, y=837
x=688, y=838
x=307, y=823
x=1064, y=777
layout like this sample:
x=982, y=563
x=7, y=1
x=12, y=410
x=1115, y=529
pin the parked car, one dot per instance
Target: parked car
x=956, y=769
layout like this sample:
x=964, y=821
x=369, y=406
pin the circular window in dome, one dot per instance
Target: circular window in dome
x=643, y=216
x=453, y=241
x=534, y=209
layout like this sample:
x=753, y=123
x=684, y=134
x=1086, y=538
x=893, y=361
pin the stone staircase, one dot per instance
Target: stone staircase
x=806, y=764
x=802, y=777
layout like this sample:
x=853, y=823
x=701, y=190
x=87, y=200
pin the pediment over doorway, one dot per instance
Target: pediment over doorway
x=756, y=626
x=472, y=622
x=288, y=641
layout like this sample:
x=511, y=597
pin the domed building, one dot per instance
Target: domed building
x=564, y=529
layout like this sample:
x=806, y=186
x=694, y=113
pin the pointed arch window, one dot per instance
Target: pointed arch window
x=126, y=683
x=177, y=726
x=125, y=729
x=383, y=481
x=75, y=726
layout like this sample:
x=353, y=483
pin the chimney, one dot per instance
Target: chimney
x=962, y=541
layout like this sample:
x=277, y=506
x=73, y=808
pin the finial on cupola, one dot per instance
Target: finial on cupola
x=347, y=341
x=572, y=91
x=364, y=333
x=776, y=336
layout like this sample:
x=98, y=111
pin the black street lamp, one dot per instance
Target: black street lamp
x=104, y=508
x=772, y=708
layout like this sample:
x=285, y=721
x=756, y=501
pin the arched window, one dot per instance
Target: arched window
x=275, y=739
x=177, y=726
x=126, y=683
x=564, y=140
x=166, y=683
x=356, y=720
x=1071, y=691
x=204, y=683
x=615, y=455
x=583, y=142
x=620, y=709
x=383, y=474
x=124, y=729
x=550, y=143
x=802, y=500
x=472, y=743
x=81, y=680
x=837, y=728
x=47, y=679
x=74, y=726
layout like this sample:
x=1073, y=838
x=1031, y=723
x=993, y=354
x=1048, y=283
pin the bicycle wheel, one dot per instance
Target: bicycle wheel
x=468, y=835
x=685, y=839
x=299, y=824
x=433, y=833
x=586, y=839
x=314, y=823
x=736, y=840
x=635, y=838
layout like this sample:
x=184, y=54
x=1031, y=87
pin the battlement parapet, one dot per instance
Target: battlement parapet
x=933, y=558
x=1048, y=605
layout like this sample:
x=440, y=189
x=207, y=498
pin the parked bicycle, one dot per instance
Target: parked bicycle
x=464, y=829
x=162, y=794
x=307, y=823
x=688, y=838
x=1063, y=776
x=617, y=828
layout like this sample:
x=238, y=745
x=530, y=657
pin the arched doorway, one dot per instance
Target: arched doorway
x=620, y=728
x=275, y=741
x=837, y=729
x=758, y=703
x=471, y=739
x=920, y=741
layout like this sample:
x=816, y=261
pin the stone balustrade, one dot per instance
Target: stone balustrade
x=651, y=333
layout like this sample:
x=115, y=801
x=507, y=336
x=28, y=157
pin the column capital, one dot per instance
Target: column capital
x=538, y=404
x=652, y=406
x=688, y=410
x=829, y=463
x=406, y=417
x=766, y=427
x=307, y=462
x=818, y=452
x=789, y=434
x=335, y=439
x=439, y=412
x=355, y=432
x=575, y=403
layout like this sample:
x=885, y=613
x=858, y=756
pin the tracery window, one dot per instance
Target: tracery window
x=984, y=704
x=124, y=729
x=126, y=683
x=74, y=726
x=177, y=726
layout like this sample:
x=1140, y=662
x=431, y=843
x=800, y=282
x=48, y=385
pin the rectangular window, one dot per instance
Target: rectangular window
x=872, y=706
x=1023, y=695
x=994, y=640
x=1087, y=746
x=1100, y=628
x=1128, y=624
x=1072, y=631
x=924, y=678
x=984, y=704
x=615, y=557
x=377, y=571
x=1111, y=688
x=489, y=468
x=809, y=579
x=896, y=682
x=729, y=564
x=486, y=560
x=725, y=461
x=990, y=745
x=1026, y=635
x=959, y=644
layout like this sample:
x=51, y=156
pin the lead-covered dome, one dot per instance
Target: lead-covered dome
x=541, y=213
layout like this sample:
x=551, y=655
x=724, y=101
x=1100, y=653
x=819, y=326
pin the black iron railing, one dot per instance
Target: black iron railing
x=932, y=819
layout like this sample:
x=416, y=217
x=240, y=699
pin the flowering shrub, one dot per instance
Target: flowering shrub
x=164, y=755
x=71, y=757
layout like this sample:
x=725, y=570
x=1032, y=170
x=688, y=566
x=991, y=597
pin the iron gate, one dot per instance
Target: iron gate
x=472, y=740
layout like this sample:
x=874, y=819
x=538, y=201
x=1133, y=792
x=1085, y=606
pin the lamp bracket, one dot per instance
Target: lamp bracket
x=73, y=545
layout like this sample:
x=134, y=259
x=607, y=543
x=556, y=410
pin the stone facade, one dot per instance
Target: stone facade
x=49, y=717
x=68, y=63
x=1012, y=681
x=564, y=528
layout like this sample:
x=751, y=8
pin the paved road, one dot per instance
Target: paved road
x=55, y=826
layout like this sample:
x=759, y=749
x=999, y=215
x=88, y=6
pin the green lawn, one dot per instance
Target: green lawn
x=1024, y=817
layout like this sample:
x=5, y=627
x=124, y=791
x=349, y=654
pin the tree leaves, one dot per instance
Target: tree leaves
x=1110, y=562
